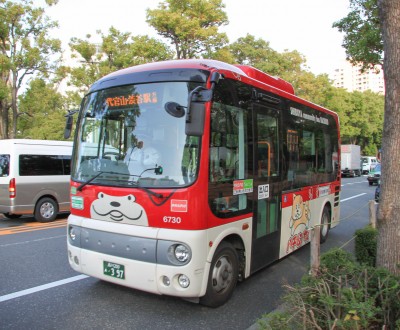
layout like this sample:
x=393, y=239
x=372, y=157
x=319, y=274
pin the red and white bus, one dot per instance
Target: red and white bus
x=190, y=175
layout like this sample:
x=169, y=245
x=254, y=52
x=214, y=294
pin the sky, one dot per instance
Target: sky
x=302, y=25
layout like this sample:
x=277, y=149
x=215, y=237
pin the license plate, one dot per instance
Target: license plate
x=114, y=270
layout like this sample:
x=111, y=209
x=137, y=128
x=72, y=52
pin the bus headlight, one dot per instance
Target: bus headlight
x=182, y=253
x=179, y=254
x=72, y=233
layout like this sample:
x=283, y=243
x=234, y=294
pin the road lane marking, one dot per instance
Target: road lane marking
x=32, y=226
x=41, y=288
x=351, y=183
x=34, y=240
x=346, y=199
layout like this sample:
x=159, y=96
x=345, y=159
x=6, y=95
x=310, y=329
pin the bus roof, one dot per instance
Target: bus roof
x=197, y=64
x=198, y=70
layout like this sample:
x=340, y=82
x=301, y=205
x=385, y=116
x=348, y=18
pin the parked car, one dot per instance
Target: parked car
x=375, y=175
x=378, y=192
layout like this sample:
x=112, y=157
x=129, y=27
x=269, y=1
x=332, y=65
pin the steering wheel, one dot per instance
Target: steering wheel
x=110, y=154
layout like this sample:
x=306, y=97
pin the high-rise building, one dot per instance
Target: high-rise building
x=351, y=78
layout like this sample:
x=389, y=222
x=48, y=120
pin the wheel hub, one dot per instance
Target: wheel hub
x=222, y=274
x=47, y=210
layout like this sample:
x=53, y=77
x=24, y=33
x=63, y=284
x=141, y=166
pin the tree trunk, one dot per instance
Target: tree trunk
x=4, y=120
x=388, y=220
x=14, y=106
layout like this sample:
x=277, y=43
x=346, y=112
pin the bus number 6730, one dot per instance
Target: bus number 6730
x=168, y=219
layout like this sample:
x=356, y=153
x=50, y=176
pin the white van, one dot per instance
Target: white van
x=34, y=178
x=368, y=163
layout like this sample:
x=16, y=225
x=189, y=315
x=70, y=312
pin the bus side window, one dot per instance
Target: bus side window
x=311, y=156
x=227, y=159
x=189, y=158
x=267, y=146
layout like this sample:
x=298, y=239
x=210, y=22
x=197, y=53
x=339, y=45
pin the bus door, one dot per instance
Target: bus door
x=266, y=192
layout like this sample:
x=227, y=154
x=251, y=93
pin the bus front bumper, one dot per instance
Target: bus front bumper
x=137, y=257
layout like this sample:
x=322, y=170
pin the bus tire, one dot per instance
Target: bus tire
x=223, y=276
x=46, y=210
x=325, y=224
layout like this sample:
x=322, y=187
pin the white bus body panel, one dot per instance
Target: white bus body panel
x=148, y=276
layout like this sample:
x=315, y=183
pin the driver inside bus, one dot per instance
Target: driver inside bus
x=141, y=155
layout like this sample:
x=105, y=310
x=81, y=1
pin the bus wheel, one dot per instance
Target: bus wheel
x=46, y=210
x=12, y=216
x=223, y=276
x=325, y=224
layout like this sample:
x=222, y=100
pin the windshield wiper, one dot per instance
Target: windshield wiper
x=136, y=185
x=158, y=170
x=88, y=181
x=98, y=174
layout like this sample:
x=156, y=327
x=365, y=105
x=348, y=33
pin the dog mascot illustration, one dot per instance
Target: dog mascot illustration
x=301, y=215
x=118, y=208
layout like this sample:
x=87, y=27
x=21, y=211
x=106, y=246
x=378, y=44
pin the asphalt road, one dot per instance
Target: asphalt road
x=38, y=289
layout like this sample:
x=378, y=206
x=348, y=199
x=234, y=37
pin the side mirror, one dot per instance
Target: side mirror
x=196, y=109
x=68, y=127
x=195, y=126
x=69, y=122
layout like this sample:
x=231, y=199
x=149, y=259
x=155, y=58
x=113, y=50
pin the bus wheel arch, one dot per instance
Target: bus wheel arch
x=46, y=209
x=325, y=223
x=237, y=242
x=226, y=267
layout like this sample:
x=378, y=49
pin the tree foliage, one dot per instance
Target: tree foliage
x=344, y=295
x=257, y=53
x=191, y=26
x=116, y=51
x=361, y=118
x=42, y=111
x=25, y=49
x=362, y=33
x=288, y=65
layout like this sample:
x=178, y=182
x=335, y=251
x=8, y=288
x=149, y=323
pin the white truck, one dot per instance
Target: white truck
x=350, y=160
x=368, y=163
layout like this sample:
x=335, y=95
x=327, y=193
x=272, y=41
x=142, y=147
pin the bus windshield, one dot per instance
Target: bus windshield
x=127, y=137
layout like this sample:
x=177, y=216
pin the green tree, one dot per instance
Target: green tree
x=311, y=87
x=289, y=65
x=362, y=33
x=371, y=122
x=116, y=51
x=372, y=29
x=257, y=53
x=25, y=49
x=190, y=25
x=42, y=111
x=123, y=50
x=361, y=118
x=340, y=101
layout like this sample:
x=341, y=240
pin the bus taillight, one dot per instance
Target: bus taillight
x=11, y=188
